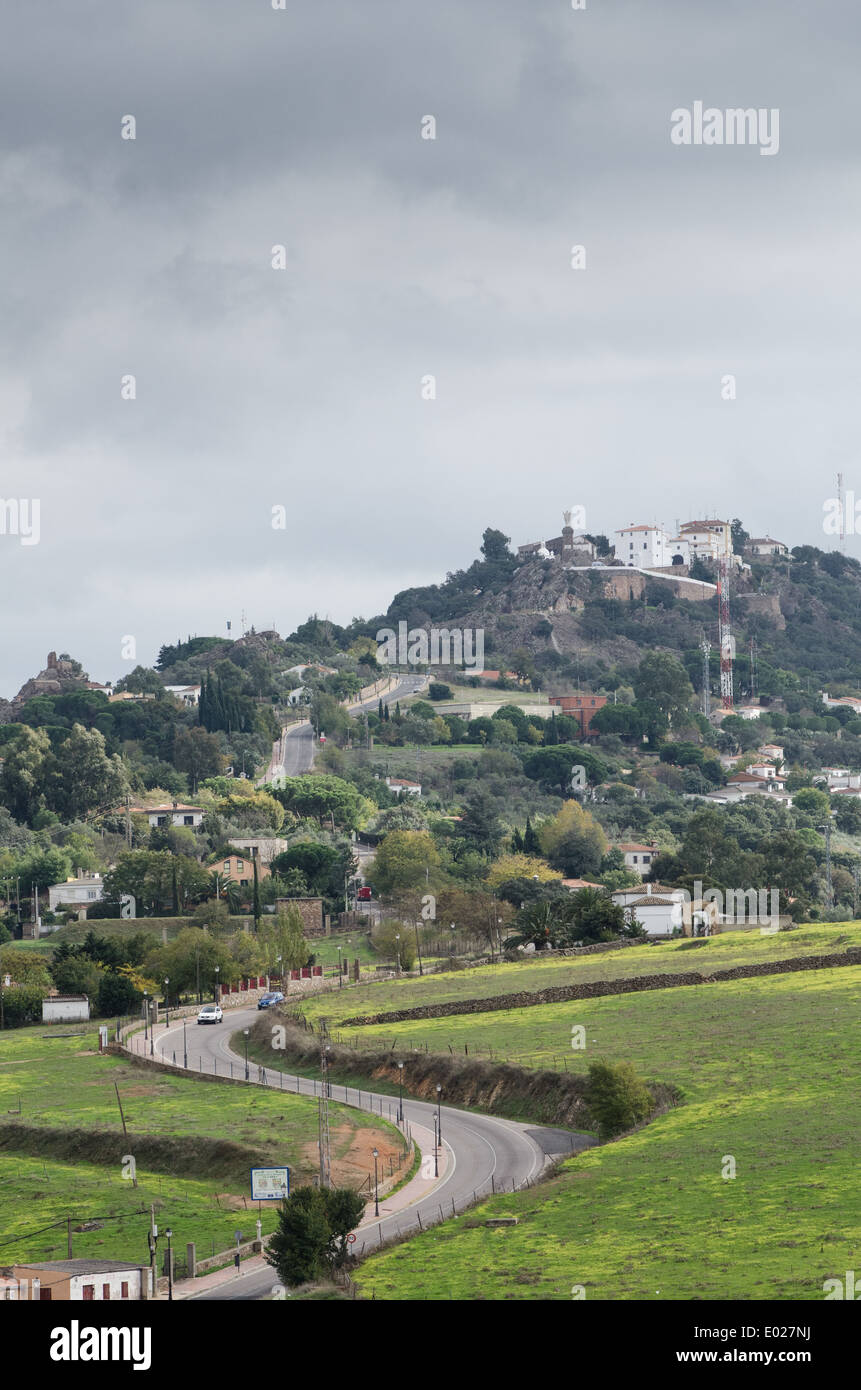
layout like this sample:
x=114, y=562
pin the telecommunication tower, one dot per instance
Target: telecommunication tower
x=727, y=643
x=706, y=649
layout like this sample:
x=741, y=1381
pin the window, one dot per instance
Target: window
x=91, y=893
x=227, y=866
x=106, y=1292
x=240, y=865
x=188, y=820
x=89, y=1292
x=161, y=820
x=124, y=1289
x=634, y=857
x=44, y=1295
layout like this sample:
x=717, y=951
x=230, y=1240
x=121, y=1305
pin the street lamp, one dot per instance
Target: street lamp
x=376, y=1185
x=435, y=1150
x=218, y=984
x=169, y=1233
x=439, y=1112
x=246, y=1053
x=452, y=939
x=166, y=1001
x=398, y=949
x=340, y=971
x=146, y=1015
x=184, y=1046
x=401, y=1092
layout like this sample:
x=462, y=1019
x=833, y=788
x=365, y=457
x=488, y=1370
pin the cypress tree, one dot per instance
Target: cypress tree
x=531, y=843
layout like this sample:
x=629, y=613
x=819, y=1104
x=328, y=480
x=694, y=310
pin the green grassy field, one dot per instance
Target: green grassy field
x=36, y=1193
x=535, y=973
x=69, y=1104
x=768, y=1071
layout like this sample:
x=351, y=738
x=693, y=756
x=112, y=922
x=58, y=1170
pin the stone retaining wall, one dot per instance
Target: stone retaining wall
x=558, y=994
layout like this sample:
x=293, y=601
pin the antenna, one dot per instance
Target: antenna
x=725, y=630
x=706, y=649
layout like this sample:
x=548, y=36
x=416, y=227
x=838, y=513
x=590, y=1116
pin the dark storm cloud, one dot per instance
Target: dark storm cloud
x=405, y=257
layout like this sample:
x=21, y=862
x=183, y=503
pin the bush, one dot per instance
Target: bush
x=438, y=691
x=617, y=1097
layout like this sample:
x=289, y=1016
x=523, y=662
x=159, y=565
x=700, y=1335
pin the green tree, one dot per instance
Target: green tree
x=402, y=861
x=22, y=775
x=198, y=754
x=479, y=825
x=663, y=679
x=83, y=778
x=617, y=1097
x=573, y=841
x=322, y=798
x=297, y=1249
x=116, y=996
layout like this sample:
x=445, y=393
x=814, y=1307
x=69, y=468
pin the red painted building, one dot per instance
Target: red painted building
x=580, y=707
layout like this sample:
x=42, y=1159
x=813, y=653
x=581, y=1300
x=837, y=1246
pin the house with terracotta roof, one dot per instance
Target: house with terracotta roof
x=638, y=857
x=402, y=786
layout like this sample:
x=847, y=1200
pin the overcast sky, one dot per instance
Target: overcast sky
x=301, y=387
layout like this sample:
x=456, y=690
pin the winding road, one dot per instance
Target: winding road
x=483, y=1154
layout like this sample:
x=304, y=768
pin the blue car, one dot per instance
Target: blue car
x=267, y=1000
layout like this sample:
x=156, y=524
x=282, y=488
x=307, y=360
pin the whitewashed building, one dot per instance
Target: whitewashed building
x=66, y=1008
x=82, y=891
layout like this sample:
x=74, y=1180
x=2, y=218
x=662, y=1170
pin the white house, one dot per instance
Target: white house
x=171, y=815
x=646, y=547
x=83, y=1281
x=66, y=1008
x=708, y=540
x=83, y=891
x=638, y=857
x=765, y=545
x=850, y=701
x=661, y=911
x=401, y=786
x=186, y=694
x=748, y=711
x=774, y=751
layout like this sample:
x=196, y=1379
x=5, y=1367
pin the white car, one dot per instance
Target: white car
x=210, y=1013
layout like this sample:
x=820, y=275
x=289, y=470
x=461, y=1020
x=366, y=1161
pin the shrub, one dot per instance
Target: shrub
x=617, y=1097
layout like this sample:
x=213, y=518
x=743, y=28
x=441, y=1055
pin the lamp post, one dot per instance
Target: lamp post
x=376, y=1185
x=218, y=984
x=398, y=949
x=246, y=1053
x=146, y=1015
x=184, y=1046
x=439, y=1112
x=453, y=929
x=401, y=1092
x=435, y=1150
x=418, y=945
x=340, y=971
x=166, y=1003
x=278, y=960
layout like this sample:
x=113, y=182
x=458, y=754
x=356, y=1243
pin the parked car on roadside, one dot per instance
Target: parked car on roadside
x=210, y=1013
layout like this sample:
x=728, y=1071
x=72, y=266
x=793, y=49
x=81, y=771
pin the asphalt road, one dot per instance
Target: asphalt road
x=296, y=749
x=408, y=685
x=485, y=1154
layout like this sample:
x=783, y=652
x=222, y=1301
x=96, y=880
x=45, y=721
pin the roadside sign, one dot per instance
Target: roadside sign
x=270, y=1184
x=351, y=1238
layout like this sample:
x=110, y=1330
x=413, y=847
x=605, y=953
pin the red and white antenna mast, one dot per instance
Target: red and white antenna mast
x=727, y=644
